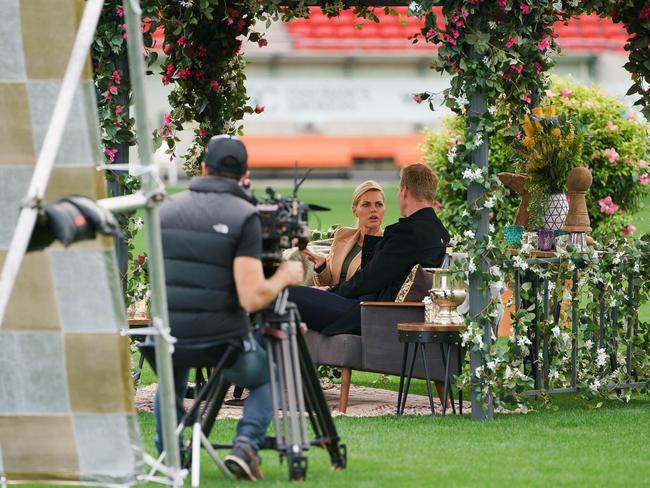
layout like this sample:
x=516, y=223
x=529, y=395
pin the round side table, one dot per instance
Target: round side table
x=419, y=334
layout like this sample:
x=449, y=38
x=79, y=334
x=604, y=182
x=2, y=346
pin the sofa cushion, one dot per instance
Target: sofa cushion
x=416, y=286
x=342, y=351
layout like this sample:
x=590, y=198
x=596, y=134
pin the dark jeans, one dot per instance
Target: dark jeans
x=251, y=371
x=327, y=312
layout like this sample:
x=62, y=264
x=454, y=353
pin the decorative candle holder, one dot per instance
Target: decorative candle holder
x=447, y=293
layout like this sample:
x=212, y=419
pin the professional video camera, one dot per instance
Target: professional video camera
x=284, y=225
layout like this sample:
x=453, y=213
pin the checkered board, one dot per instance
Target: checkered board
x=66, y=395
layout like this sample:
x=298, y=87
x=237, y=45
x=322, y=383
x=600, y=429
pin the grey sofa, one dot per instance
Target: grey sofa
x=377, y=349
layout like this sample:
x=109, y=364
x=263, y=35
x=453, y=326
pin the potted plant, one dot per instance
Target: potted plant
x=550, y=147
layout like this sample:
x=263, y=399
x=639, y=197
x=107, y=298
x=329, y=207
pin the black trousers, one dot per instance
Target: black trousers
x=326, y=312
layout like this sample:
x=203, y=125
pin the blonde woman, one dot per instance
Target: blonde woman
x=345, y=255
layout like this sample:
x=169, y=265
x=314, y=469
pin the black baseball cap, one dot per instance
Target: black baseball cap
x=226, y=155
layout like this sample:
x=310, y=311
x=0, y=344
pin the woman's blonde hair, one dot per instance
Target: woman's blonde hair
x=365, y=187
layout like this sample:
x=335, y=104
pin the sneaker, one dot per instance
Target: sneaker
x=243, y=463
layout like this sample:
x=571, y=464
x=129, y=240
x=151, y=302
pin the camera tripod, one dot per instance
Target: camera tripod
x=296, y=395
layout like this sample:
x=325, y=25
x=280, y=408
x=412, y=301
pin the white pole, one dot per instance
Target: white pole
x=51, y=143
x=150, y=186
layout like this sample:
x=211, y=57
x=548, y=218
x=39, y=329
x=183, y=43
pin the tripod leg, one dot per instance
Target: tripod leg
x=196, y=454
x=316, y=399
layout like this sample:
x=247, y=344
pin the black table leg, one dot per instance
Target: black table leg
x=401, y=377
x=426, y=375
x=408, y=378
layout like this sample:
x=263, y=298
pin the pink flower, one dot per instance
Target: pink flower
x=417, y=98
x=167, y=119
x=262, y=43
x=117, y=79
x=181, y=41
x=167, y=49
x=644, y=179
x=118, y=109
x=628, y=230
x=631, y=115
x=544, y=44
x=120, y=12
x=165, y=80
x=607, y=206
x=526, y=98
x=464, y=13
x=642, y=163
x=214, y=85
x=550, y=94
x=108, y=96
x=525, y=9
x=450, y=40
x=125, y=34
x=430, y=34
x=644, y=13
x=199, y=74
x=566, y=92
x=170, y=69
x=517, y=67
x=201, y=52
x=502, y=3
x=110, y=153
x=112, y=89
x=184, y=73
x=538, y=66
x=202, y=133
x=259, y=109
x=511, y=42
x=611, y=127
x=611, y=155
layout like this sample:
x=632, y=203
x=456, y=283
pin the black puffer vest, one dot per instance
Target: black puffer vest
x=200, y=231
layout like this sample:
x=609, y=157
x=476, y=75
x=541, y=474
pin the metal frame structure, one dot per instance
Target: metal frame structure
x=148, y=198
x=540, y=372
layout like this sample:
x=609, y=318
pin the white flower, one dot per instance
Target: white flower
x=455, y=239
x=469, y=234
x=556, y=331
x=557, y=6
x=527, y=247
x=471, y=267
x=478, y=371
x=478, y=140
x=595, y=385
x=636, y=267
x=495, y=270
x=490, y=202
x=589, y=344
x=138, y=223
x=523, y=341
x=617, y=258
x=601, y=357
x=465, y=213
x=492, y=24
x=491, y=365
x=468, y=174
x=517, y=262
x=486, y=60
x=492, y=109
x=451, y=156
x=554, y=374
x=508, y=373
x=491, y=228
x=186, y=3
x=551, y=286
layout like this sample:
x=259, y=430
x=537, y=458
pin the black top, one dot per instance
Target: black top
x=417, y=239
x=356, y=249
x=203, y=230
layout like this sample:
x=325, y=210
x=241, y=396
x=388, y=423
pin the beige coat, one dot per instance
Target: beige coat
x=344, y=240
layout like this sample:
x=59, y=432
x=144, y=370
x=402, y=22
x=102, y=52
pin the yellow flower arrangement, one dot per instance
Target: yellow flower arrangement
x=549, y=148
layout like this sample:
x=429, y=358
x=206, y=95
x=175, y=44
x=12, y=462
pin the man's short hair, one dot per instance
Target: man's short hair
x=421, y=181
x=226, y=156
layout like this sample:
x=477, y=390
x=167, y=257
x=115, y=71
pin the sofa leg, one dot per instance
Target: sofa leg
x=346, y=376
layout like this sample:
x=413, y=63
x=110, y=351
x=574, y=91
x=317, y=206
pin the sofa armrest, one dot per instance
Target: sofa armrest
x=380, y=347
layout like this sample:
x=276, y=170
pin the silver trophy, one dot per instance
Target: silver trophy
x=447, y=293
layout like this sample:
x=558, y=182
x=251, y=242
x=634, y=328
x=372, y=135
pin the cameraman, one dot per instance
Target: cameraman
x=212, y=243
